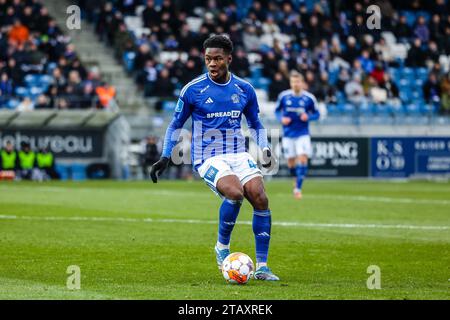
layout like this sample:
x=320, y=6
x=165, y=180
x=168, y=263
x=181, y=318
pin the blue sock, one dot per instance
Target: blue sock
x=228, y=213
x=301, y=173
x=262, y=222
x=293, y=172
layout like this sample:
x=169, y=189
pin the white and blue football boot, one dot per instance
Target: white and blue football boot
x=264, y=273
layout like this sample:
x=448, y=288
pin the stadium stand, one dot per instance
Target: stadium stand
x=39, y=67
x=399, y=70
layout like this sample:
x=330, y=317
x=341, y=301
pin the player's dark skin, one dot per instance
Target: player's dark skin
x=217, y=62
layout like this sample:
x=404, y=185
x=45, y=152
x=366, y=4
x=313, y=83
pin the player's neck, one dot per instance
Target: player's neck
x=297, y=93
x=222, y=80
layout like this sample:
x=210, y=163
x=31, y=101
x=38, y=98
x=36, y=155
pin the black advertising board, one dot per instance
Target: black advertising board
x=63, y=143
x=339, y=157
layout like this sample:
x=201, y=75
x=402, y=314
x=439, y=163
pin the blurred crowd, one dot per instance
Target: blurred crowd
x=39, y=67
x=328, y=41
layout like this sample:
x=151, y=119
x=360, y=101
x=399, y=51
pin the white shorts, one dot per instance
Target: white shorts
x=241, y=165
x=294, y=147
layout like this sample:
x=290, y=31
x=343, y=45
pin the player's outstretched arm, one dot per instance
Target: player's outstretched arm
x=182, y=113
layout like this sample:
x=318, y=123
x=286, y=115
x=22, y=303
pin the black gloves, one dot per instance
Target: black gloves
x=158, y=168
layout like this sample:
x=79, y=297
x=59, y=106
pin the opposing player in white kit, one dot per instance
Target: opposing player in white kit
x=295, y=108
x=216, y=101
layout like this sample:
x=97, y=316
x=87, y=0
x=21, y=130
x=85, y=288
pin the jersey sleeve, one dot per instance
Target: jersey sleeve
x=251, y=112
x=279, y=108
x=313, y=113
x=183, y=111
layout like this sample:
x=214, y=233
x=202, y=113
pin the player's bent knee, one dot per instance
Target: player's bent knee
x=234, y=193
x=260, y=201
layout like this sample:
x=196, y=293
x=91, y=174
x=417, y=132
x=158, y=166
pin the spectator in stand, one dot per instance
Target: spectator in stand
x=278, y=84
x=19, y=33
x=355, y=91
x=87, y=96
x=270, y=64
x=433, y=53
x=6, y=86
x=366, y=62
x=326, y=91
x=164, y=86
x=432, y=89
x=391, y=90
x=378, y=73
x=445, y=95
x=437, y=29
x=402, y=30
x=376, y=93
x=416, y=55
x=26, y=104
x=240, y=65
x=150, y=16
x=421, y=30
x=42, y=102
x=106, y=94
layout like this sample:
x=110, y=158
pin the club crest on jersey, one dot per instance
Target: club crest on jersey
x=235, y=98
x=301, y=103
x=289, y=102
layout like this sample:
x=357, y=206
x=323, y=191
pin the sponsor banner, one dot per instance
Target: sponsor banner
x=63, y=143
x=403, y=157
x=339, y=157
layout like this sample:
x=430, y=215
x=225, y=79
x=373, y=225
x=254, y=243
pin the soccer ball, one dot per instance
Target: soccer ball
x=237, y=268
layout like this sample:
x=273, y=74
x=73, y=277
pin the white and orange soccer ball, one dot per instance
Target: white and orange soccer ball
x=238, y=268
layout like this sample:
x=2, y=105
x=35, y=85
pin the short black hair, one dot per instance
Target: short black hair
x=219, y=41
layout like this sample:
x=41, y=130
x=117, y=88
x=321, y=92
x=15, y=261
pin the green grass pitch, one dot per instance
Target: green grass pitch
x=137, y=240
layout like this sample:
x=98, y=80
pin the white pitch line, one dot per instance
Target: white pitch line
x=306, y=196
x=378, y=199
x=246, y=222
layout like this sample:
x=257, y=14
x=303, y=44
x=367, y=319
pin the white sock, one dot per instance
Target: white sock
x=261, y=264
x=222, y=246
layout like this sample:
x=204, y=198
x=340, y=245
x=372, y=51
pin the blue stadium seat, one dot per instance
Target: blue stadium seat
x=63, y=171
x=332, y=109
x=256, y=71
x=418, y=83
x=36, y=91
x=407, y=73
x=12, y=104
x=346, y=108
x=382, y=109
x=394, y=72
x=405, y=95
x=169, y=105
x=428, y=108
x=341, y=97
x=422, y=73
x=413, y=109
x=410, y=17
x=261, y=83
x=367, y=109
x=78, y=171
x=128, y=60
x=22, y=92
x=50, y=67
